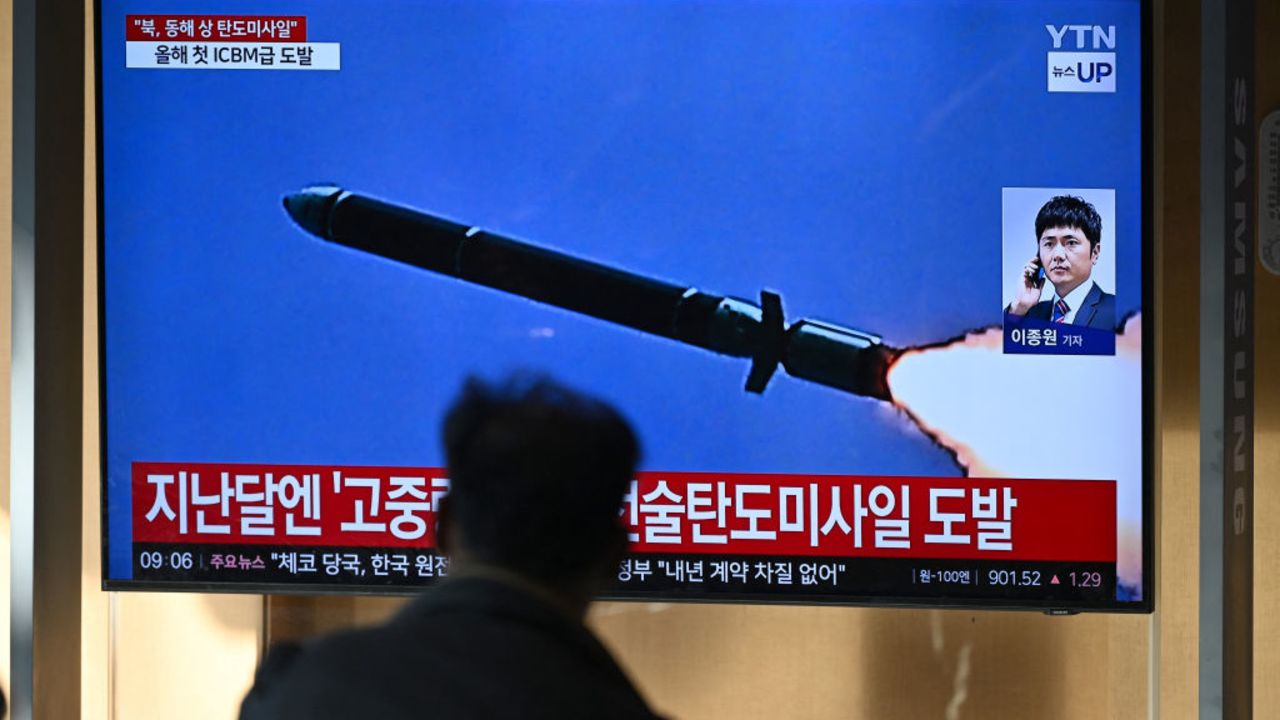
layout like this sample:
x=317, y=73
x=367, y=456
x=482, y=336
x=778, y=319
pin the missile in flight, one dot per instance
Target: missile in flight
x=825, y=353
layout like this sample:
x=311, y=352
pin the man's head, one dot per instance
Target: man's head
x=537, y=476
x=1069, y=234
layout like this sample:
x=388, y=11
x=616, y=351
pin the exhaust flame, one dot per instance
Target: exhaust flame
x=1031, y=416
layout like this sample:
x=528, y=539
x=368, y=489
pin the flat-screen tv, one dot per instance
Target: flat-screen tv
x=871, y=278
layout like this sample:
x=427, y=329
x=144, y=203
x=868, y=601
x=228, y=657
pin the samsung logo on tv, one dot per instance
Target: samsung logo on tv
x=1079, y=61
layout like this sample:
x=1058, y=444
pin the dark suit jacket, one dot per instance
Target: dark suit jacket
x=1098, y=310
x=469, y=648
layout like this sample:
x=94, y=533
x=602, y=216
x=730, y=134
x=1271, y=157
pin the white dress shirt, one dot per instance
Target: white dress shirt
x=1074, y=299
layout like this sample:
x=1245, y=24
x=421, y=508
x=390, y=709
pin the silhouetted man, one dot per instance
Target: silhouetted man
x=537, y=475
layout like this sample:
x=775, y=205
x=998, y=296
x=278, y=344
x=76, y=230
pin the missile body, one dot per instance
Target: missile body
x=828, y=354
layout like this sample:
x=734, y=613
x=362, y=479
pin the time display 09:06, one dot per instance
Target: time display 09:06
x=1006, y=578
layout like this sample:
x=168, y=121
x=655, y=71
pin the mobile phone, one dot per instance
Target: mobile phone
x=1037, y=280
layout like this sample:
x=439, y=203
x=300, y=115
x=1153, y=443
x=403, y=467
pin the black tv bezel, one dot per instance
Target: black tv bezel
x=1149, y=311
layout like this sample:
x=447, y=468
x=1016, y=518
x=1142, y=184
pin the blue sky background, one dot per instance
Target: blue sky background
x=849, y=155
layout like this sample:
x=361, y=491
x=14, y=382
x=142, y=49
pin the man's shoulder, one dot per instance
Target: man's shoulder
x=320, y=678
x=1099, y=309
x=445, y=651
x=397, y=669
x=1102, y=300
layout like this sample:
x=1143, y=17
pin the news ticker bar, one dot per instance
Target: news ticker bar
x=677, y=513
x=641, y=574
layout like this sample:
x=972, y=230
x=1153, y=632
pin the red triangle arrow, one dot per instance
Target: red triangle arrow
x=1054, y=581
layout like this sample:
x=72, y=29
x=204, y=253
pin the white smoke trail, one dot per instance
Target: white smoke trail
x=1032, y=416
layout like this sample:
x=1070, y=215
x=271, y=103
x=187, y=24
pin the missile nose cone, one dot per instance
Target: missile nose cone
x=310, y=208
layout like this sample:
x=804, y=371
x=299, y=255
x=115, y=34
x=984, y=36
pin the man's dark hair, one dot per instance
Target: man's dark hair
x=1070, y=211
x=537, y=476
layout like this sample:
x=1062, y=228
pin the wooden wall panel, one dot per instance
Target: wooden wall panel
x=95, y=605
x=1266, y=469
x=715, y=661
x=1176, y=623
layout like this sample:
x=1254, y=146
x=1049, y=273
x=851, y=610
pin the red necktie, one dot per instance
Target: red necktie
x=1060, y=311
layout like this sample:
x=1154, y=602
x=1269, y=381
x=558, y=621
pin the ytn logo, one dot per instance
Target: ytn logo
x=1081, y=70
x=1102, y=37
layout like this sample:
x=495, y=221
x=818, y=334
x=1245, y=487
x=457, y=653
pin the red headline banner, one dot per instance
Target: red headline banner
x=216, y=28
x=696, y=513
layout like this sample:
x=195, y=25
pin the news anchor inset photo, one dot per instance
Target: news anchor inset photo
x=1059, y=272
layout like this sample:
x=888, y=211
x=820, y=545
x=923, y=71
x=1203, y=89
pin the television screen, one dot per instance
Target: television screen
x=869, y=277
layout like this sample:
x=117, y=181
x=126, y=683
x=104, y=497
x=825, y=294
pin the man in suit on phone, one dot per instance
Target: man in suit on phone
x=1069, y=240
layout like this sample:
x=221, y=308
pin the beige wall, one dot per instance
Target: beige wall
x=796, y=662
x=747, y=662
x=1266, y=471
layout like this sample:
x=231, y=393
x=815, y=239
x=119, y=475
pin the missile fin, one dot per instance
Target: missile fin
x=769, y=344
